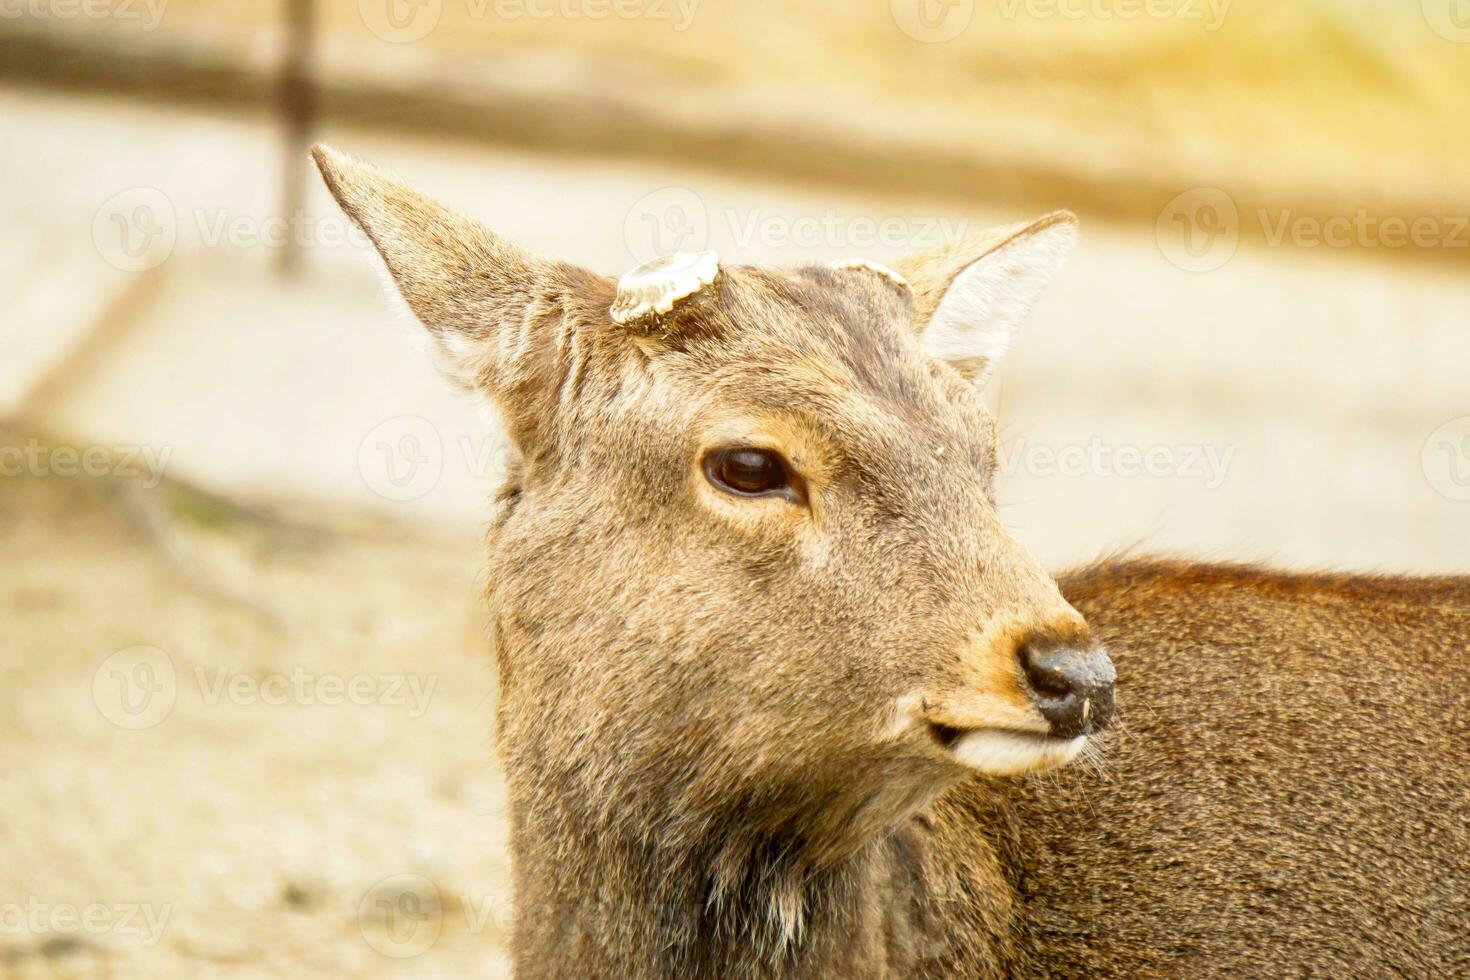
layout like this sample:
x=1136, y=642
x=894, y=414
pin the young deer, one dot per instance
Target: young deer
x=770, y=667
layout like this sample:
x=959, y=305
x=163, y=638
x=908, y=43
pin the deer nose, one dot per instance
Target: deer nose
x=1072, y=688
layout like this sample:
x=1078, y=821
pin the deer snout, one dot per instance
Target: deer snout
x=1071, y=687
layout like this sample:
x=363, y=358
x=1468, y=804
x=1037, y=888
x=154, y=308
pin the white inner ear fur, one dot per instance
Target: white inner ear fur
x=451, y=353
x=987, y=302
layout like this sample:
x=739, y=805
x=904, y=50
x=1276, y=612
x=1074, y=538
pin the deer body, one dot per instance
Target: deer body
x=1289, y=795
x=779, y=697
x=1315, y=821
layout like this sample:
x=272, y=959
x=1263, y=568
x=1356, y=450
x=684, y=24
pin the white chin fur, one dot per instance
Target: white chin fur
x=998, y=753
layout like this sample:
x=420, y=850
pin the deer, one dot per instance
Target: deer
x=780, y=697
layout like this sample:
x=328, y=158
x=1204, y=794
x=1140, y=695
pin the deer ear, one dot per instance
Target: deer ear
x=971, y=297
x=496, y=315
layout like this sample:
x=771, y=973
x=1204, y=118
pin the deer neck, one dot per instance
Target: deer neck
x=742, y=904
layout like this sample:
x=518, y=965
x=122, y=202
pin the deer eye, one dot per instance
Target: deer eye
x=748, y=472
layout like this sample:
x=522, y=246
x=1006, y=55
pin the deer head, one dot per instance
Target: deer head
x=749, y=568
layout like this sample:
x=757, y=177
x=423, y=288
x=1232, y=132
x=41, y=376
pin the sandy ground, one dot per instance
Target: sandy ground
x=183, y=792
x=269, y=754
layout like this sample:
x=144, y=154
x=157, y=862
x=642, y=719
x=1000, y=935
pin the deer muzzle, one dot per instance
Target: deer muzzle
x=1072, y=688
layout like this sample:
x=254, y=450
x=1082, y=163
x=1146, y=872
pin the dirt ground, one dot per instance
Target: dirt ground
x=237, y=747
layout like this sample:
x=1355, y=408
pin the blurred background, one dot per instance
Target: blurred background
x=245, y=686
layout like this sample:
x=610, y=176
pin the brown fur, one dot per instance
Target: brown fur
x=715, y=712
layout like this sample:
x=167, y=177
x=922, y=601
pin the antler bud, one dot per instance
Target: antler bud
x=653, y=288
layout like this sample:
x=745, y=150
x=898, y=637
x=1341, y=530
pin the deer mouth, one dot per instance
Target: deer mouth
x=1005, y=751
